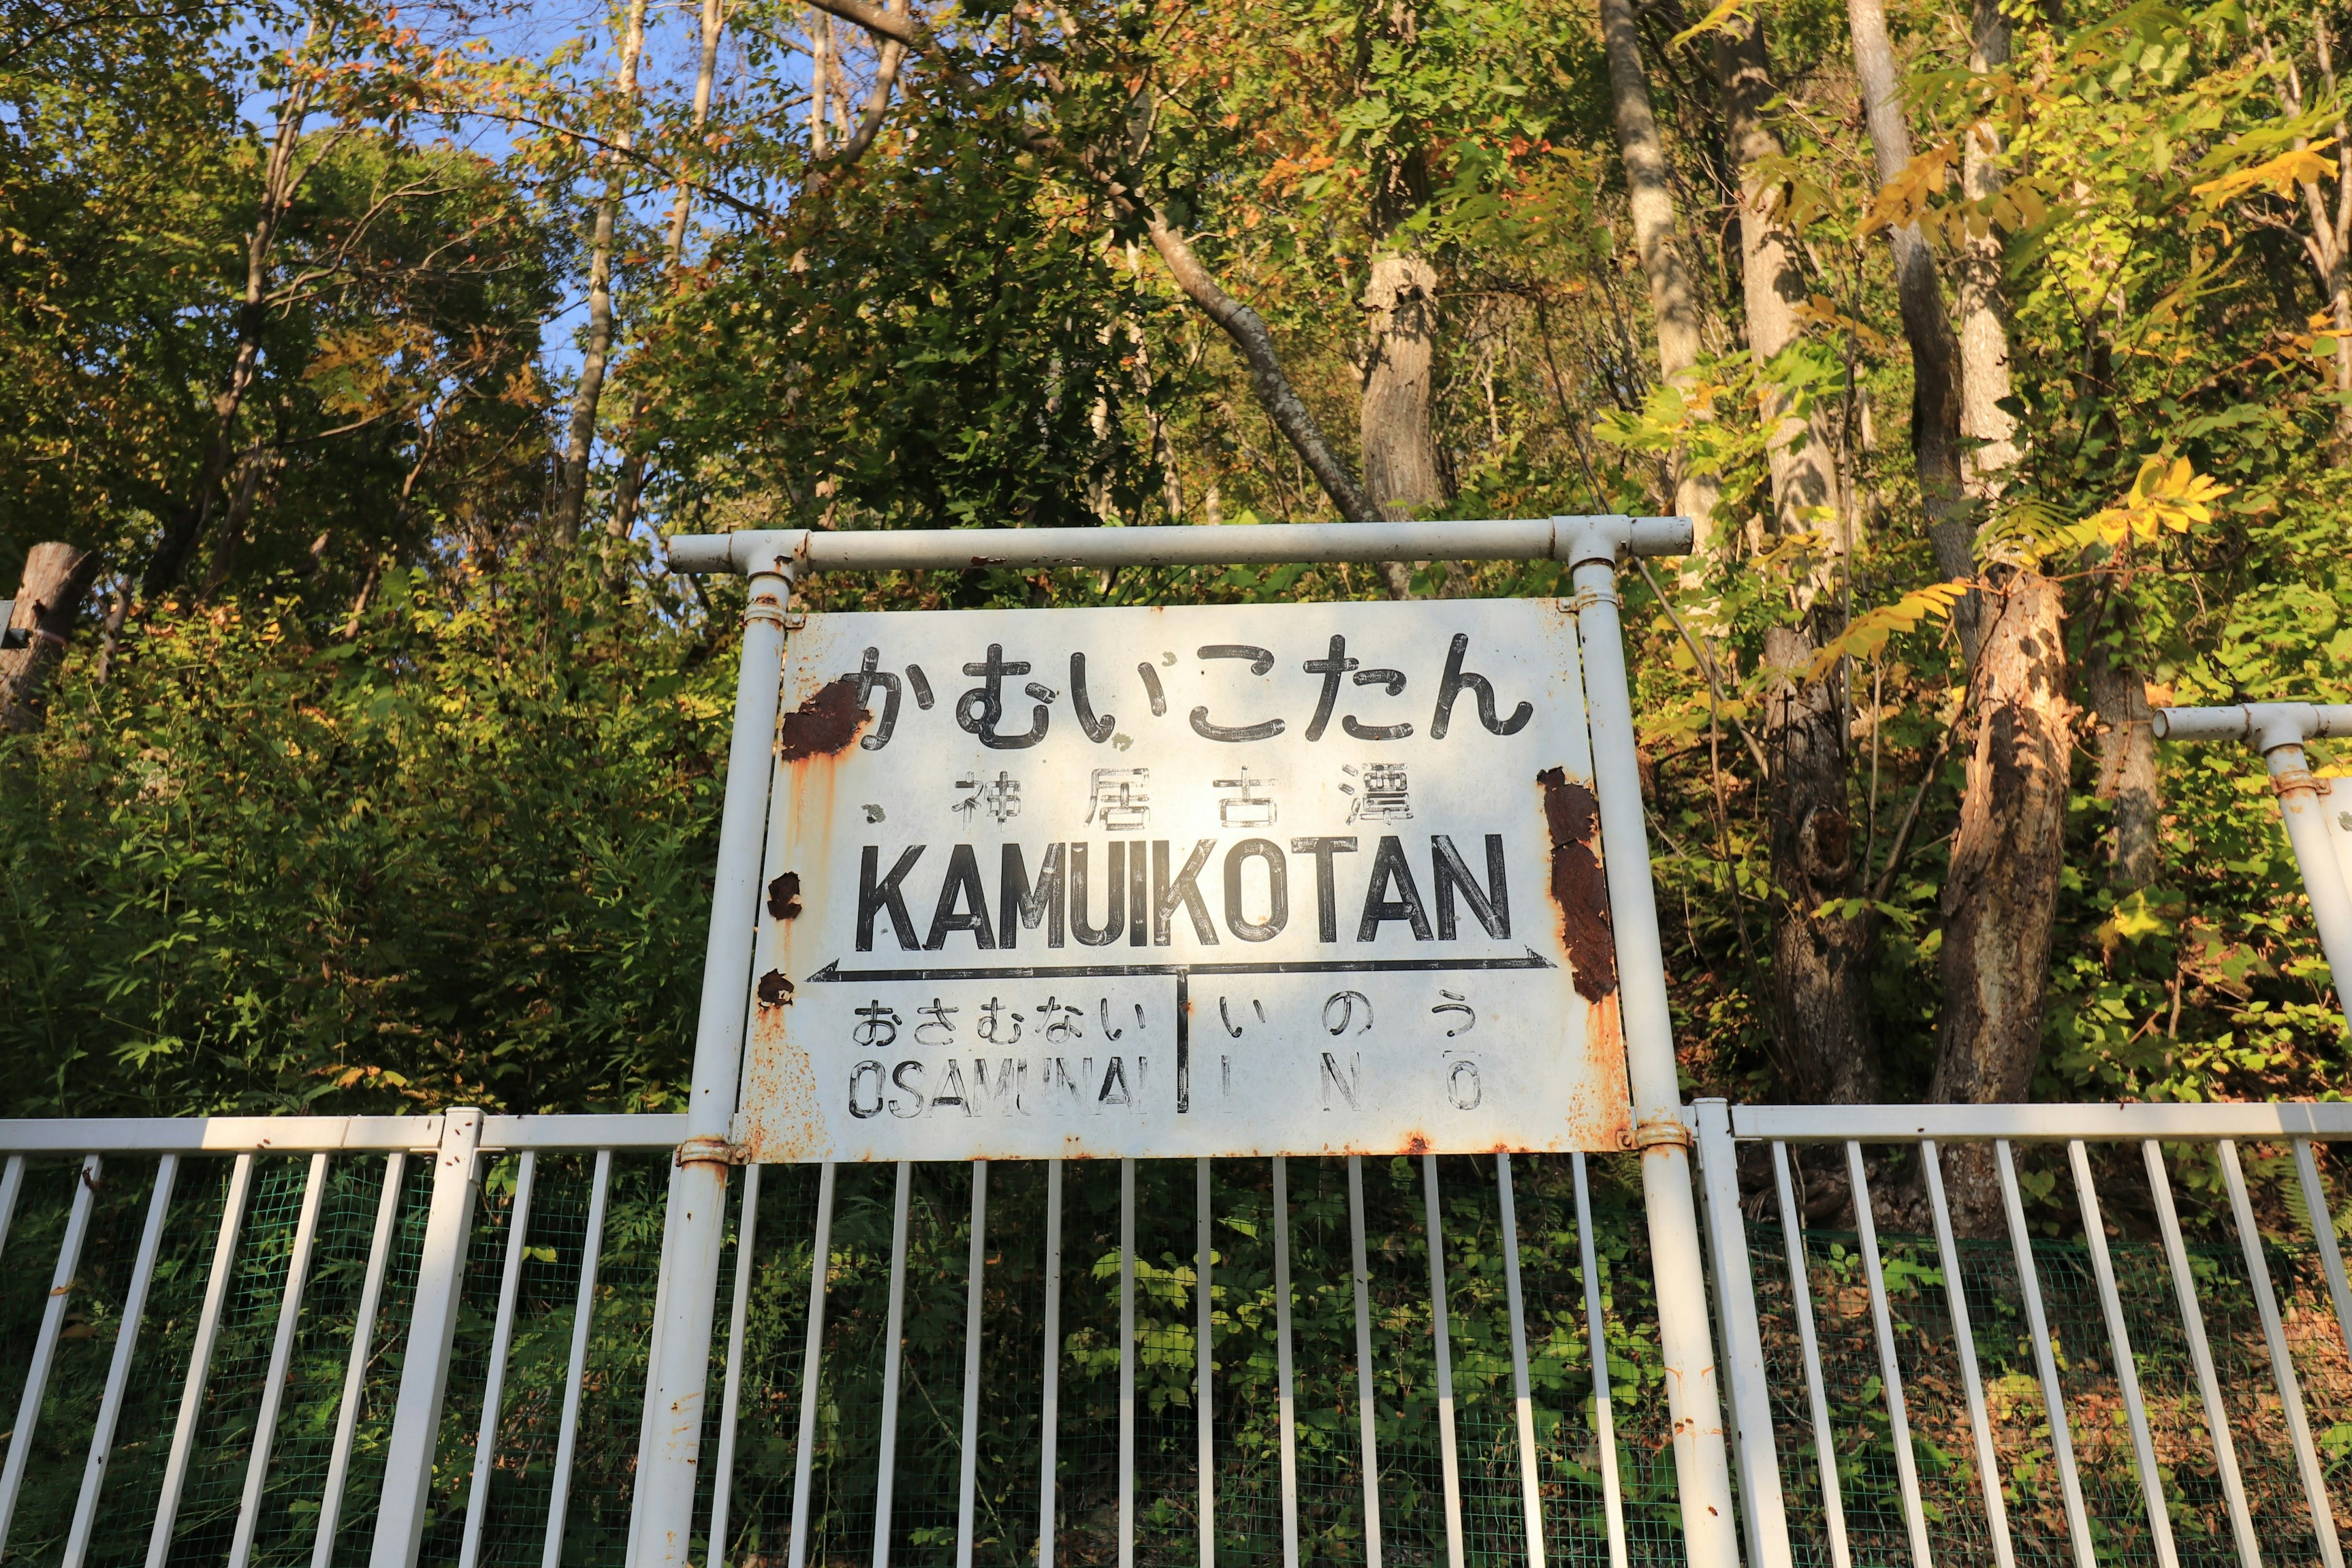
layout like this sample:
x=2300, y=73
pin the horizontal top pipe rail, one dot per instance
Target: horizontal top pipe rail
x=2269, y=725
x=324, y=1134
x=2037, y=1124
x=1565, y=539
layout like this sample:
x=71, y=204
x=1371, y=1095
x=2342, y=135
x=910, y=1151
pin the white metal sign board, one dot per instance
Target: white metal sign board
x=1308, y=879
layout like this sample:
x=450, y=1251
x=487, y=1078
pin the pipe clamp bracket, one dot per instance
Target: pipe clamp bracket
x=1662, y=1132
x=709, y=1151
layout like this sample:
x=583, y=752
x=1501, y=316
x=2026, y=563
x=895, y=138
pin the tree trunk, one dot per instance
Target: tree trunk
x=1400, y=457
x=2000, y=896
x=1650, y=195
x=1801, y=453
x=633, y=468
x=56, y=577
x=1934, y=351
x=573, y=497
x=1819, y=988
x=1988, y=427
x=2126, y=778
x=278, y=180
x=1828, y=1053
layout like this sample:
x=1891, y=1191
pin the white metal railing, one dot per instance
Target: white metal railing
x=2207, y=1433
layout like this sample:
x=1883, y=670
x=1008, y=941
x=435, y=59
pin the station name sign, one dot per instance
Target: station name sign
x=1314, y=878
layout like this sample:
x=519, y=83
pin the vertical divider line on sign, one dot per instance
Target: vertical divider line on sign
x=1127, y=1363
x=1801, y=1293
x=1963, y=1342
x=347, y=1410
x=2103, y=1267
x=1204, y=1351
x=584, y=1314
x=200, y=1357
x=1890, y=1365
x=118, y=1371
x=45, y=1347
x=975, y=1284
x=1522, y=1397
x=1284, y=1401
x=494, y=1386
x=2053, y=1394
x=1367, y=1412
x=2323, y=1232
x=1442, y=1337
x=1604, y=1417
x=2298, y=1422
x=1050, y=1403
x=281, y=1355
x=811, y=1364
x=746, y=1254
x=894, y=1334
x=2201, y=1356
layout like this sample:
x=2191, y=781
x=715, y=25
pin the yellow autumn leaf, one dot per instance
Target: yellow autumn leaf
x=1868, y=632
x=2297, y=165
x=2165, y=496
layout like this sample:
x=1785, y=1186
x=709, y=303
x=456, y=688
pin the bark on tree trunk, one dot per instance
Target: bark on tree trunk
x=581, y=438
x=279, y=178
x=2000, y=896
x=1650, y=197
x=1400, y=458
x=1926, y=327
x=1819, y=987
x=1801, y=453
x=1984, y=309
x=56, y=577
x=2127, y=778
x=1820, y=980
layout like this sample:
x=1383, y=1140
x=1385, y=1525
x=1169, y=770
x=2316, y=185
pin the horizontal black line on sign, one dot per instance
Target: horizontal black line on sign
x=833, y=973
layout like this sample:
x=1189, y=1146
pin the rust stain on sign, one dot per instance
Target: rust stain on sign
x=1578, y=884
x=826, y=725
x=784, y=896
x=774, y=990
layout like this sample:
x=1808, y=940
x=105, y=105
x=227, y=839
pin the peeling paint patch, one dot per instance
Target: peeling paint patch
x=784, y=896
x=826, y=725
x=774, y=989
x=1578, y=884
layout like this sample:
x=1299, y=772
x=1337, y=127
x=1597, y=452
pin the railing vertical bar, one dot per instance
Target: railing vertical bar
x=347, y=1410
x=1204, y=1352
x=1964, y=1341
x=1522, y=1397
x=1283, y=1398
x=281, y=1355
x=747, y=1253
x=1604, y=1419
x=975, y=1285
x=2323, y=1232
x=1801, y=1292
x=804, y=1454
x=1746, y=1388
x=892, y=1353
x=2298, y=1422
x=584, y=1314
x=118, y=1370
x=1367, y=1413
x=1051, y=1403
x=200, y=1357
x=1890, y=1365
x=485, y=1439
x=45, y=1348
x=11, y=1183
x=1127, y=1363
x=2201, y=1356
x=2094, y=1233
x=1441, y=1335
x=2054, y=1395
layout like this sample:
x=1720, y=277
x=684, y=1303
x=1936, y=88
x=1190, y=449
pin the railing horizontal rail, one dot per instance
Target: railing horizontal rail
x=326, y=1134
x=2036, y=1123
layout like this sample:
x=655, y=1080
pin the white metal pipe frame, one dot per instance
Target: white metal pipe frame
x=1755, y=1335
